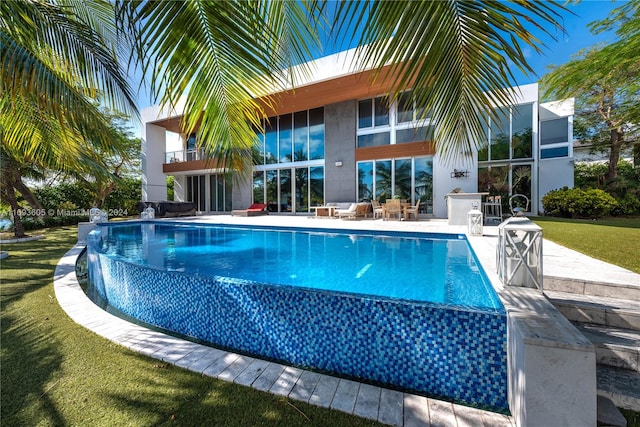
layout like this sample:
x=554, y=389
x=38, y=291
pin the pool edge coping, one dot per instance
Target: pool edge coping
x=161, y=346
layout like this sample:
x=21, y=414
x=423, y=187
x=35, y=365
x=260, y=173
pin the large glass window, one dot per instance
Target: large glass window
x=405, y=108
x=423, y=183
x=411, y=179
x=424, y=133
x=297, y=137
x=196, y=191
x=500, y=135
x=483, y=150
x=554, y=131
x=495, y=180
x=365, y=115
x=521, y=180
x=374, y=139
x=402, y=178
x=285, y=144
x=258, y=187
x=302, y=189
x=316, y=186
x=522, y=135
x=316, y=134
x=365, y=180
x=272, y=190
x=381, y=109
x=373, y=112
x=271, y=141
x=505, y=180
x=554, y=138
x=383, y=180
x=511, y=134
x=285, y=190
x=408, y=109
x=300, y=137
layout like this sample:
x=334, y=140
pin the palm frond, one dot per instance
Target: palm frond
x=457, y=55
x=79, y=54
x=221, y=55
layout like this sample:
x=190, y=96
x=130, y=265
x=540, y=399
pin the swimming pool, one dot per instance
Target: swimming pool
x=406, y=310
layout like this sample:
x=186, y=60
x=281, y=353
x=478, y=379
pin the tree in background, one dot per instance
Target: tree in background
x=56, y=59
x=606, y=83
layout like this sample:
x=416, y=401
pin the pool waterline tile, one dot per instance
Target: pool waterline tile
x=415, y=408
x=356, y=336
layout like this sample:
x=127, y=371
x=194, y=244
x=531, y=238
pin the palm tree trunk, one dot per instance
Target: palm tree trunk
x=18, y=228
x=25, y=191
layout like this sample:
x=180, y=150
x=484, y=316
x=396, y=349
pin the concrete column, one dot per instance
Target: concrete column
x=154, y=181
x=339, y=146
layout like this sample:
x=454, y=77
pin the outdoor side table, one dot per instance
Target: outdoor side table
x=519, y=253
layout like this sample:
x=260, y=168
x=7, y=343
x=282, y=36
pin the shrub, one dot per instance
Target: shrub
x=578, y=203
x=627, y=205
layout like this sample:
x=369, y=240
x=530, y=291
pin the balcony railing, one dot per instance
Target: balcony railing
x=184, y=156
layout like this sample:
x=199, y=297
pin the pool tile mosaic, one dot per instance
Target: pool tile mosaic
x=435, y=350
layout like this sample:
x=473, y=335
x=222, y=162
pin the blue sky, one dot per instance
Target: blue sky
x=556, y=51
x=577, y=37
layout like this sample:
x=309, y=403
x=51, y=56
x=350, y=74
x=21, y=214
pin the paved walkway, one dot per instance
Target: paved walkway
x=376, y=403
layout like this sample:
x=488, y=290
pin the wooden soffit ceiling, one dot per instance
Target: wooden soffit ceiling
x=352, y=86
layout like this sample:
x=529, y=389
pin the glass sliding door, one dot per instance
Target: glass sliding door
x=285, y=191
x=220, y=193
x=365, y=180
x=272, y=191
x=316, y=186
x=196, y=191
x=423, y=183
x=383, y=180
x=302, y=189
x=402, y=179
x=258, y=187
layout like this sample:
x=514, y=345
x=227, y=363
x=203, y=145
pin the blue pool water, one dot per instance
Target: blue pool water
x=402, y=310
x=439, y=268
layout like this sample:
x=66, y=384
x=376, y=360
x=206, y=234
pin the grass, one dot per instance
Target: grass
x=612, y=240
x=55, y=372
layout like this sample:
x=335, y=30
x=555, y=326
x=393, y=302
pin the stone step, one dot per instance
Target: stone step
x=597, y=289
x=622, y=386
x=616, y=347
x=616, y=312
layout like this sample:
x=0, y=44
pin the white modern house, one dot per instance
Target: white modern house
x=337, y=139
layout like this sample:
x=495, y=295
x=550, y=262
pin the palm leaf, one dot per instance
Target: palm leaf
x=457, y=56
x=221, y=56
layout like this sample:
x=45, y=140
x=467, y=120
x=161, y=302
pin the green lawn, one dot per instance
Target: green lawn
x=616, y=241
x=55, y=372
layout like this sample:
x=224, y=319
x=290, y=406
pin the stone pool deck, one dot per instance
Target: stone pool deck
x=376, y=403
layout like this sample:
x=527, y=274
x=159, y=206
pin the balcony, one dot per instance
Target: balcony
x=187, y=160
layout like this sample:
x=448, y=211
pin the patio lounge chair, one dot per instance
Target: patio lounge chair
x=253, y=210
x=355, y=210
x=347, y=213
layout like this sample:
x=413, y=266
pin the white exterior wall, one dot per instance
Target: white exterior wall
x=179, y=188
x=443, y=183
x=154, y=181
x=557, y=172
